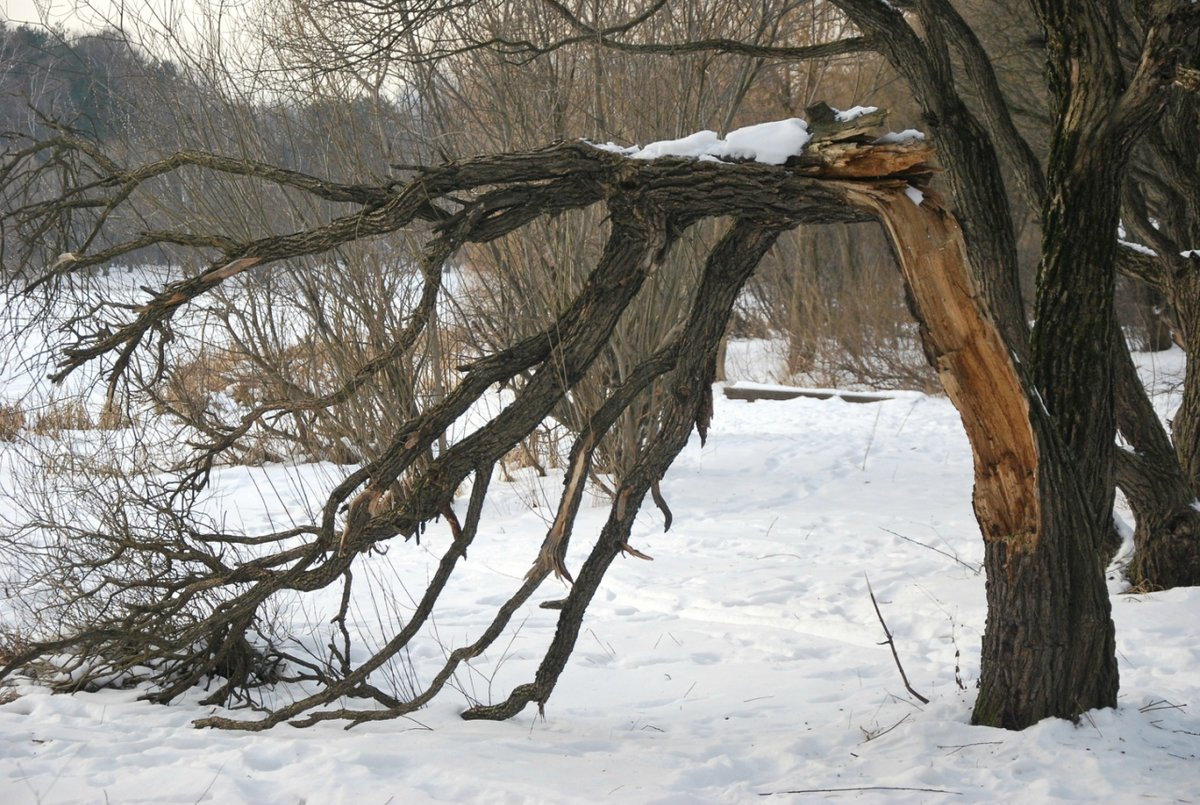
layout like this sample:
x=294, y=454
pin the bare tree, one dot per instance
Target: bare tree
x=1047, y=558
x=1037, y=405
x=204, y=604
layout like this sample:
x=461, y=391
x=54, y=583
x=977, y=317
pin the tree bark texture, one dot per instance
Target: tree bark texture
x=1049, y=645
x=687, y=404
x=1167, y=534
x=1099, y=112
x=1161, y=210
x=1184, y=293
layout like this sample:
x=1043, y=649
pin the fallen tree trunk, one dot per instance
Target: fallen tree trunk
x=754, y=393
x=1048, y=648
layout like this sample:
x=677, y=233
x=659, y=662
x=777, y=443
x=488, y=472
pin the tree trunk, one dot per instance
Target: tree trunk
x=1055, y=598
x=1160, y=479
x=1167, y=536
x=1185, y=428
x=1049, y=646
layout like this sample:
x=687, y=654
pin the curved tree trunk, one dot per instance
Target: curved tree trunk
x=1167, y=535
x=1161, y=476
x=1184, y=294
x=1100, y=111
x=687, y=404
x=1049, y=647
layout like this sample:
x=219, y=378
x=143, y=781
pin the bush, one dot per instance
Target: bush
x=12, y=420
x=60, y=416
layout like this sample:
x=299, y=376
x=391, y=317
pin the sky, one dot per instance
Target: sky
x=75, y=14
x=81, y=15
x=160, y=27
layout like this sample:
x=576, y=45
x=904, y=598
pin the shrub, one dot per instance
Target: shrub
x=62, y=415
x=12, y=420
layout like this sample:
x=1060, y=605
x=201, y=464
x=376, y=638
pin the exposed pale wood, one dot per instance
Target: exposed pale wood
x=851, y=160
x=976, y=368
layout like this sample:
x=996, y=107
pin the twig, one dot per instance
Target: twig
x=860, y=788
x=204, y=793
x=870, y=735
x=871, y=440
x=973, y=568
x=1161, y=704
x=960, y=747
x=892, y=644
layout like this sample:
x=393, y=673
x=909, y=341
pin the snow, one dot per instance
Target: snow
x=854, y=112
x=893, y=137
x=769, y=143
x=1137, y=247
x=693, y=145
x=744, y=660
x=1146, y=250
x=623, y=150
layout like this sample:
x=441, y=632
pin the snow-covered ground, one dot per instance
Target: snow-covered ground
x=744, y=661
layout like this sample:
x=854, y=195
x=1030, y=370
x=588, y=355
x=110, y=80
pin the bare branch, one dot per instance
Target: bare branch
x=605, y=38
x=892, y=645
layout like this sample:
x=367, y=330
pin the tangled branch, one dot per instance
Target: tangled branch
x=197, y=613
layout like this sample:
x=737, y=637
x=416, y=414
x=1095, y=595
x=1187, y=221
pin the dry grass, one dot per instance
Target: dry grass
x=835, y=295
x=112, y=418
x=12, y=420
x=527, y=454
x=190, y=387
x=343, y=434
x=12, y=643
x=60, y=416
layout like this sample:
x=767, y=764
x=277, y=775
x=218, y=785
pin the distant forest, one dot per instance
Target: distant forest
x=88, y=80
x=100, y=88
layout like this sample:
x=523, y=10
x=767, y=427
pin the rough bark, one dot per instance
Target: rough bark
x=1160, y=475
x=1049, y=646
x=1167, y=533
x=1100, y=112
x=649, y=203
x=977, y=196
x=1183, y=289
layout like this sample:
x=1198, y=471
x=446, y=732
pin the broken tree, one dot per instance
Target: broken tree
x=1049, y=624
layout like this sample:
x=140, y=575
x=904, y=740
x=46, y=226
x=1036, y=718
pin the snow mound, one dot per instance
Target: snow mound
x=908, y=135
x=769, y=143
x=854, y=112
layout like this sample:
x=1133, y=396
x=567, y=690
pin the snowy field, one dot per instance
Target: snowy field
x=743, y=662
